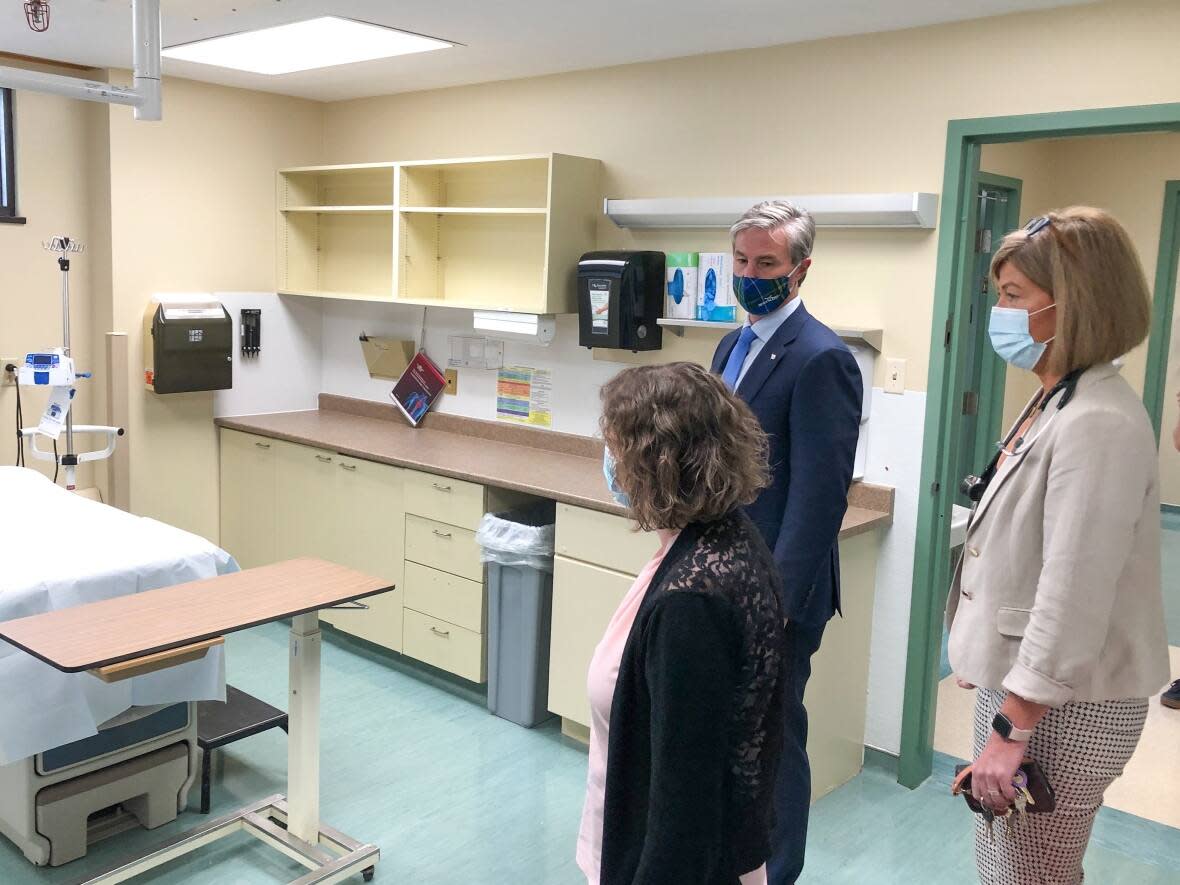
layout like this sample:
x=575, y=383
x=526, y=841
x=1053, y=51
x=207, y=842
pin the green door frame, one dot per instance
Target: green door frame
x=932, y=566
x=1163, y=296
x=991, y=390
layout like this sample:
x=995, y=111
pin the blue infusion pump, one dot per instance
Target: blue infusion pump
x=47, y=369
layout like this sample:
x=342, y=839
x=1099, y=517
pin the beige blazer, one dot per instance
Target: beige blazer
x=1057, y=594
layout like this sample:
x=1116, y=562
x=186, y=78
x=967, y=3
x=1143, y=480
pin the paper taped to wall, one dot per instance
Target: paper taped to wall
x=523, y=395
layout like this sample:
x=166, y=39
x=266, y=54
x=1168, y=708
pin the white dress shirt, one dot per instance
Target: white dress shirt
x=764, y=330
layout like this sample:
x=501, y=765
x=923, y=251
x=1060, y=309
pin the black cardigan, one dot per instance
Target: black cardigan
x=696, y=718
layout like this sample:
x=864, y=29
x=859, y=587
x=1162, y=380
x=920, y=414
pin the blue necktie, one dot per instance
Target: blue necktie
x=737, y=356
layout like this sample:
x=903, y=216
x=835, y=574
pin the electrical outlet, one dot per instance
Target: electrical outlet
x=8, y=379
x=452, y=377
x=895, y=376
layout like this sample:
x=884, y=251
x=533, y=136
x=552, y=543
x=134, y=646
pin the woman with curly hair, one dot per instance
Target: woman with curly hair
x=684, y=686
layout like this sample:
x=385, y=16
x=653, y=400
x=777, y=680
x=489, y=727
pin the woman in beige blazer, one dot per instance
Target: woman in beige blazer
x=1055, y=612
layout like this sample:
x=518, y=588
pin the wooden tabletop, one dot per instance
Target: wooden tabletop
x=115, y=630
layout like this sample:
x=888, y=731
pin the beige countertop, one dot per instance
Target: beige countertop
x=560, y=466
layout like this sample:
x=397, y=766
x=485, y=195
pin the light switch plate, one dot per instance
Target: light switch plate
x=452, y=377
x=894, y=376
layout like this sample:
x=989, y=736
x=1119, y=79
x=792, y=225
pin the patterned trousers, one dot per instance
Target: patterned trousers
x=1082, y=748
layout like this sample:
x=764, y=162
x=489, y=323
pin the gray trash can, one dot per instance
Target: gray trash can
x=518, y=549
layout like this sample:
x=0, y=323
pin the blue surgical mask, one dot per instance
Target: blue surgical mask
x=1011, y=339
x=759, y=297
x=608, y=471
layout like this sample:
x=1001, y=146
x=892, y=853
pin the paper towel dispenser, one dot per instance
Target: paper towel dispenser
x=187, y=346
x=620, y=297
x=865, y=345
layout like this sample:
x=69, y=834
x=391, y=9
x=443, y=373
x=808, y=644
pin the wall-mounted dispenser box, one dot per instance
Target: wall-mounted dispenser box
x=187, y=345
x=620, y=297
x=865, y=345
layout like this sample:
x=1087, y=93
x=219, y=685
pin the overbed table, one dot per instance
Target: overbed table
x=130, y=635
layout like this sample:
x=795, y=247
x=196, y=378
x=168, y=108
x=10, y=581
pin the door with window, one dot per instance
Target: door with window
x=997, y=206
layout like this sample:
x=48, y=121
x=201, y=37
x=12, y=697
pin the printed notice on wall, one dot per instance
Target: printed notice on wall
x=523, y=395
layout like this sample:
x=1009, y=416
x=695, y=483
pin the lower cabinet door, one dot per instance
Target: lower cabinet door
x=367, y=534
x=585, y=598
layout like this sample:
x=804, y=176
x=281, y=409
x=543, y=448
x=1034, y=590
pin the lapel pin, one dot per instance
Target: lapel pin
x=772, y=356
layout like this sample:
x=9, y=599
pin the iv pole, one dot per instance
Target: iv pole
x=65, y=246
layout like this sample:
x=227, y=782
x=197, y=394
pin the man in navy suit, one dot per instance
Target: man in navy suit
x=805, y=387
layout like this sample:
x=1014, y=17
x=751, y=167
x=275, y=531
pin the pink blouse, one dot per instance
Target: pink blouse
x=604, y=673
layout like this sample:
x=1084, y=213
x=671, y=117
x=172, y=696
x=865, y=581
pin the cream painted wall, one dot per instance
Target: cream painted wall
x=1126, y=176
x=52, y=141
x=855, y=114
x=192, y=209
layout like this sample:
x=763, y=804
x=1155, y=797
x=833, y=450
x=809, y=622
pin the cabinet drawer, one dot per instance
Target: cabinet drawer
x=443, y=547
x=447, y=500
x=445, y=596
x=444, y=645
x=585, y=598
x=603, y=539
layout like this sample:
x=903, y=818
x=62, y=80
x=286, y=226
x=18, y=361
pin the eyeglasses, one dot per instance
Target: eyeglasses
x=1041, y=222
x=1037, y=225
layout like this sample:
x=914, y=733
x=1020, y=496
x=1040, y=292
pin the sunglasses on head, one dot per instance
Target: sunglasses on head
x=1037, y=225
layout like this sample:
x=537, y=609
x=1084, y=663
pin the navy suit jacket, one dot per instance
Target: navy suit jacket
x=805, y=387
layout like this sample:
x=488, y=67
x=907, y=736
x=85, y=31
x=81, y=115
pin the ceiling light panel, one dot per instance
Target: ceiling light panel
x=303, y=46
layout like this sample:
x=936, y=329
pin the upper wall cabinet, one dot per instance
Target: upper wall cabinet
x=495, y=233
x=335, y=231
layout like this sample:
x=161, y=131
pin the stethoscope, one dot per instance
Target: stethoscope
x=973, y=487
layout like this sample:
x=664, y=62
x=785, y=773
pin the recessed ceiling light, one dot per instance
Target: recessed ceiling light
x=303, y=46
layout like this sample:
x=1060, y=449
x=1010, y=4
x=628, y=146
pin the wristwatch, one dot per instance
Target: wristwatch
x=1003, y=726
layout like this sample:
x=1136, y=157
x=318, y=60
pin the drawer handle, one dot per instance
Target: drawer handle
x=323, y=458
x=441, y=488
x=348, y=466
x=439, y=534
x=262, y=445
x=445, y=634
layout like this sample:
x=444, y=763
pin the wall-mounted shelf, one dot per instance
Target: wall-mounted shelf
x=496, y=233
x=336, y=296
x=677, y=327
x=339, y=169
x=344, y=210
x=872, y=337
x=914, y=210
x=335, y=231
x=463, y=210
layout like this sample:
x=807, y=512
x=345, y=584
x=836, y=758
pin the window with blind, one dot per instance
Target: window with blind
x=7, y=160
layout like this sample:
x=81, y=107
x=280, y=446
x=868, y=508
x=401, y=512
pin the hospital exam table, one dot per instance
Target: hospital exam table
x=71, y=744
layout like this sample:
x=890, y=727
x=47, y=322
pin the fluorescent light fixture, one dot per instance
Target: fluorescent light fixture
x=302, y=46
x=538, y=328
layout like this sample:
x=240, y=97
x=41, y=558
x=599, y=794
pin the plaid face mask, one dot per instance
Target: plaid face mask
x=760, y=297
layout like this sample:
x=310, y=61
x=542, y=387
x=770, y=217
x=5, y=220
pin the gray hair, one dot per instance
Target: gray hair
x=772, y=215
